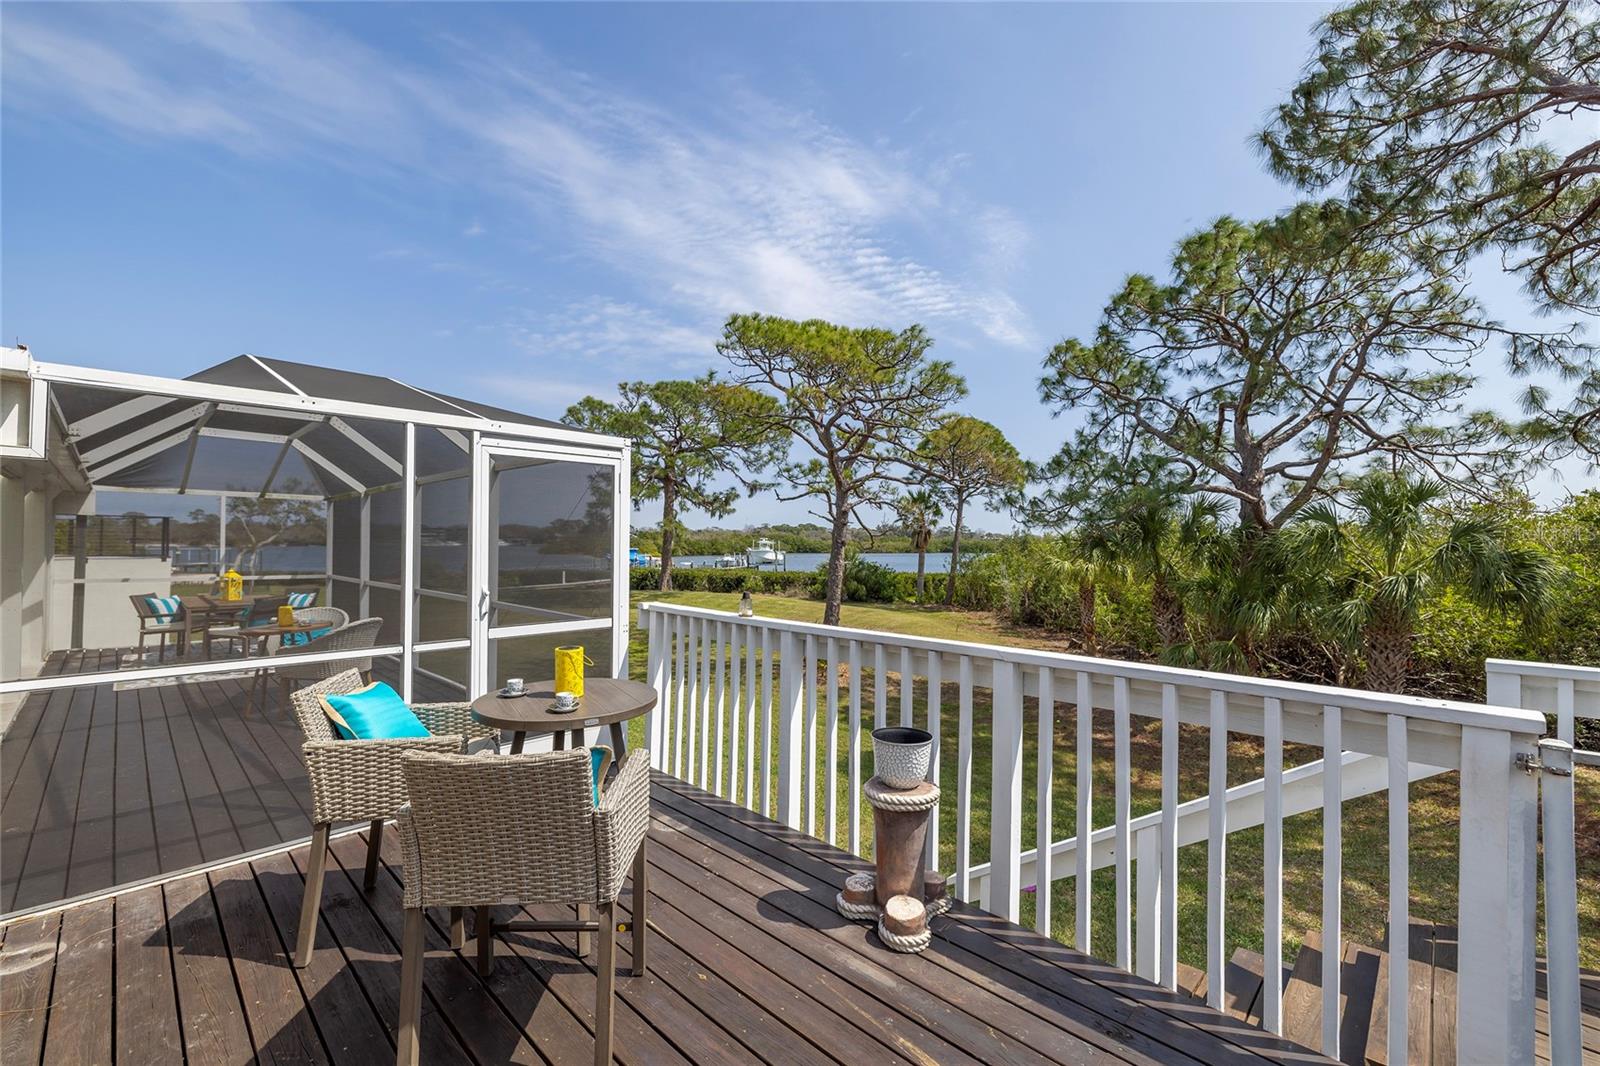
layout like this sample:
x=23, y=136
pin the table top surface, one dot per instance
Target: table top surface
x=274, y=629
x=206, y=601
x=605, y=700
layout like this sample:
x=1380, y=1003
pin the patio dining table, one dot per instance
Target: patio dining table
x=606, y=701
x=202, y=611
x=264, y=633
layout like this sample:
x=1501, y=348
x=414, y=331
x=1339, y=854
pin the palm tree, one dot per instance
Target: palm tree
x=1089, y=557
x=919, y=513
x=1158, y=537
x=1397, y=549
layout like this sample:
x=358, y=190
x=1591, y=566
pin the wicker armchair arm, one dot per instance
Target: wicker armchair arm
x=361, y=779
x=620, y=823
x=410, y=856
x=452, y=719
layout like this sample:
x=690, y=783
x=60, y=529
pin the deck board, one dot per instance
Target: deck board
x=749, y=964
x=147, y=1006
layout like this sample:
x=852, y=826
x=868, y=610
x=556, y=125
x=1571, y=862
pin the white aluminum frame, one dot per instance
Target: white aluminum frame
x=482, y=565
x=479, y=436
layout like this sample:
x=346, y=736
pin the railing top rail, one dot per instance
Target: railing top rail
x=1451, y=712
x=1532, y=669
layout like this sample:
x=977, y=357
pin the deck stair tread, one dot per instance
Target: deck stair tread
x=1364, y=998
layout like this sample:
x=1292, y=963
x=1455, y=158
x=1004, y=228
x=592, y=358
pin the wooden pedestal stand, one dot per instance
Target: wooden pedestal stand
x=901, y=895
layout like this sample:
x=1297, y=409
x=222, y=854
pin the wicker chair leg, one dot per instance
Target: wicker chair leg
x=458, y=929
x=639, y=939
x=483, y=930
x=605, y=986
x=316, y=862
x=408, y=1051
x=374, y=844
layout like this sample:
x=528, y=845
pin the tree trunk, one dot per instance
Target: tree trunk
x=955, y=557
x=1171, y=623
x=669, y=523
x=1388, y=650
x=1086, y=616
x=833, y=593
x=922, y=565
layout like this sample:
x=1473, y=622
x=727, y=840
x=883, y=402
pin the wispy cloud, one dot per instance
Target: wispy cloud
x=750, y=206
x=631, y=338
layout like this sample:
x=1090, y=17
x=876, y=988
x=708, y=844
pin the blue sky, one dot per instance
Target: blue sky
x=527, y=203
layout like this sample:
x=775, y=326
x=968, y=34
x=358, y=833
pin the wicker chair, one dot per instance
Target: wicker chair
x=361, y=780
x=352, y=636
x=484, y=830
x=328, y=616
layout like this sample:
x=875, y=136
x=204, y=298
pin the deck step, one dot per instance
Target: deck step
x=1302, y=998
x=1242, y=978
x=1364, y=998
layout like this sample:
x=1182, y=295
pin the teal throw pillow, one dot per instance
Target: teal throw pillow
x=375, y=713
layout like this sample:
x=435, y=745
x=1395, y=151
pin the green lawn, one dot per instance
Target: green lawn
x=1433, y=803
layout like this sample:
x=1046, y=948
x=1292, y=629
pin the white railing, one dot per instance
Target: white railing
x=1303, y=790
x=739, y=711
x=1569, y=693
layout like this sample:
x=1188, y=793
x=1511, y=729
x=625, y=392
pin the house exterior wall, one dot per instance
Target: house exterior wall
x=108, y=618
x=12, y=497
x=27, y=541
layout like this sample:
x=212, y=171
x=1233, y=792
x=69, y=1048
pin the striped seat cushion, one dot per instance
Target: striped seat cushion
x=302, y=599
x=164, y=608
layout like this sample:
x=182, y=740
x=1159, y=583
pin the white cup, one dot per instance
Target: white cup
x=514, y=685
x=566, y=700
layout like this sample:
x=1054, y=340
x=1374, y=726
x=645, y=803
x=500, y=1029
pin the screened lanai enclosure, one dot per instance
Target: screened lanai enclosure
x=146, y=730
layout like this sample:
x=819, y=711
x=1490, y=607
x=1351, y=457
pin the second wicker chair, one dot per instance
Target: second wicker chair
x=481, y=831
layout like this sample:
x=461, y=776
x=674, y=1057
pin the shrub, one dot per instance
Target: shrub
x=866, y=582
x=648, y=579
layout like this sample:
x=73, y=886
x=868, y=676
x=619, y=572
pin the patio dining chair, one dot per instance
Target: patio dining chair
x=159, y=616
x=361, y=781
x=486, y=830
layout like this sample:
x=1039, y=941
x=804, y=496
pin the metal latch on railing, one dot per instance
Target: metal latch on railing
x=1529, y=763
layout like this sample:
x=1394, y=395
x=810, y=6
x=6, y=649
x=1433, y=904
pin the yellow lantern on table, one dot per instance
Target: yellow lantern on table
x=286, y=616
x=232, y=585
x=570, y=662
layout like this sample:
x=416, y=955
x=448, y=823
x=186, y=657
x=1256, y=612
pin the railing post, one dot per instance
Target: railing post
x=1147, y=902
x=1494, y=1021
x=1005, y=837
x=1560, y=900
x=1501, y=688
x=656, y=664
x=790, y=737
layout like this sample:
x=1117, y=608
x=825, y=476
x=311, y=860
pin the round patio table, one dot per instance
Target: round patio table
x=606, y=701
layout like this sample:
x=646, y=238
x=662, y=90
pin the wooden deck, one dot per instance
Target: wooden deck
x=749, y=963
x=106, y=785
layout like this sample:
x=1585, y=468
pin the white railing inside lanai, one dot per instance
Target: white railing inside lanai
x=740, y=709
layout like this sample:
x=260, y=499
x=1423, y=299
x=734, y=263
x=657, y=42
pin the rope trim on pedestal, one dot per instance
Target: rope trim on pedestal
x=937, y=907
x=908, y=945
x=855, y=910
x=894, y=799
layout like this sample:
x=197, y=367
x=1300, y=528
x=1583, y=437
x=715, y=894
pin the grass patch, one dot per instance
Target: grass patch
x=1433, y=807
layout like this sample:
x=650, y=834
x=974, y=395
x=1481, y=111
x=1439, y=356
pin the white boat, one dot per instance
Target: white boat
x=763, y=553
